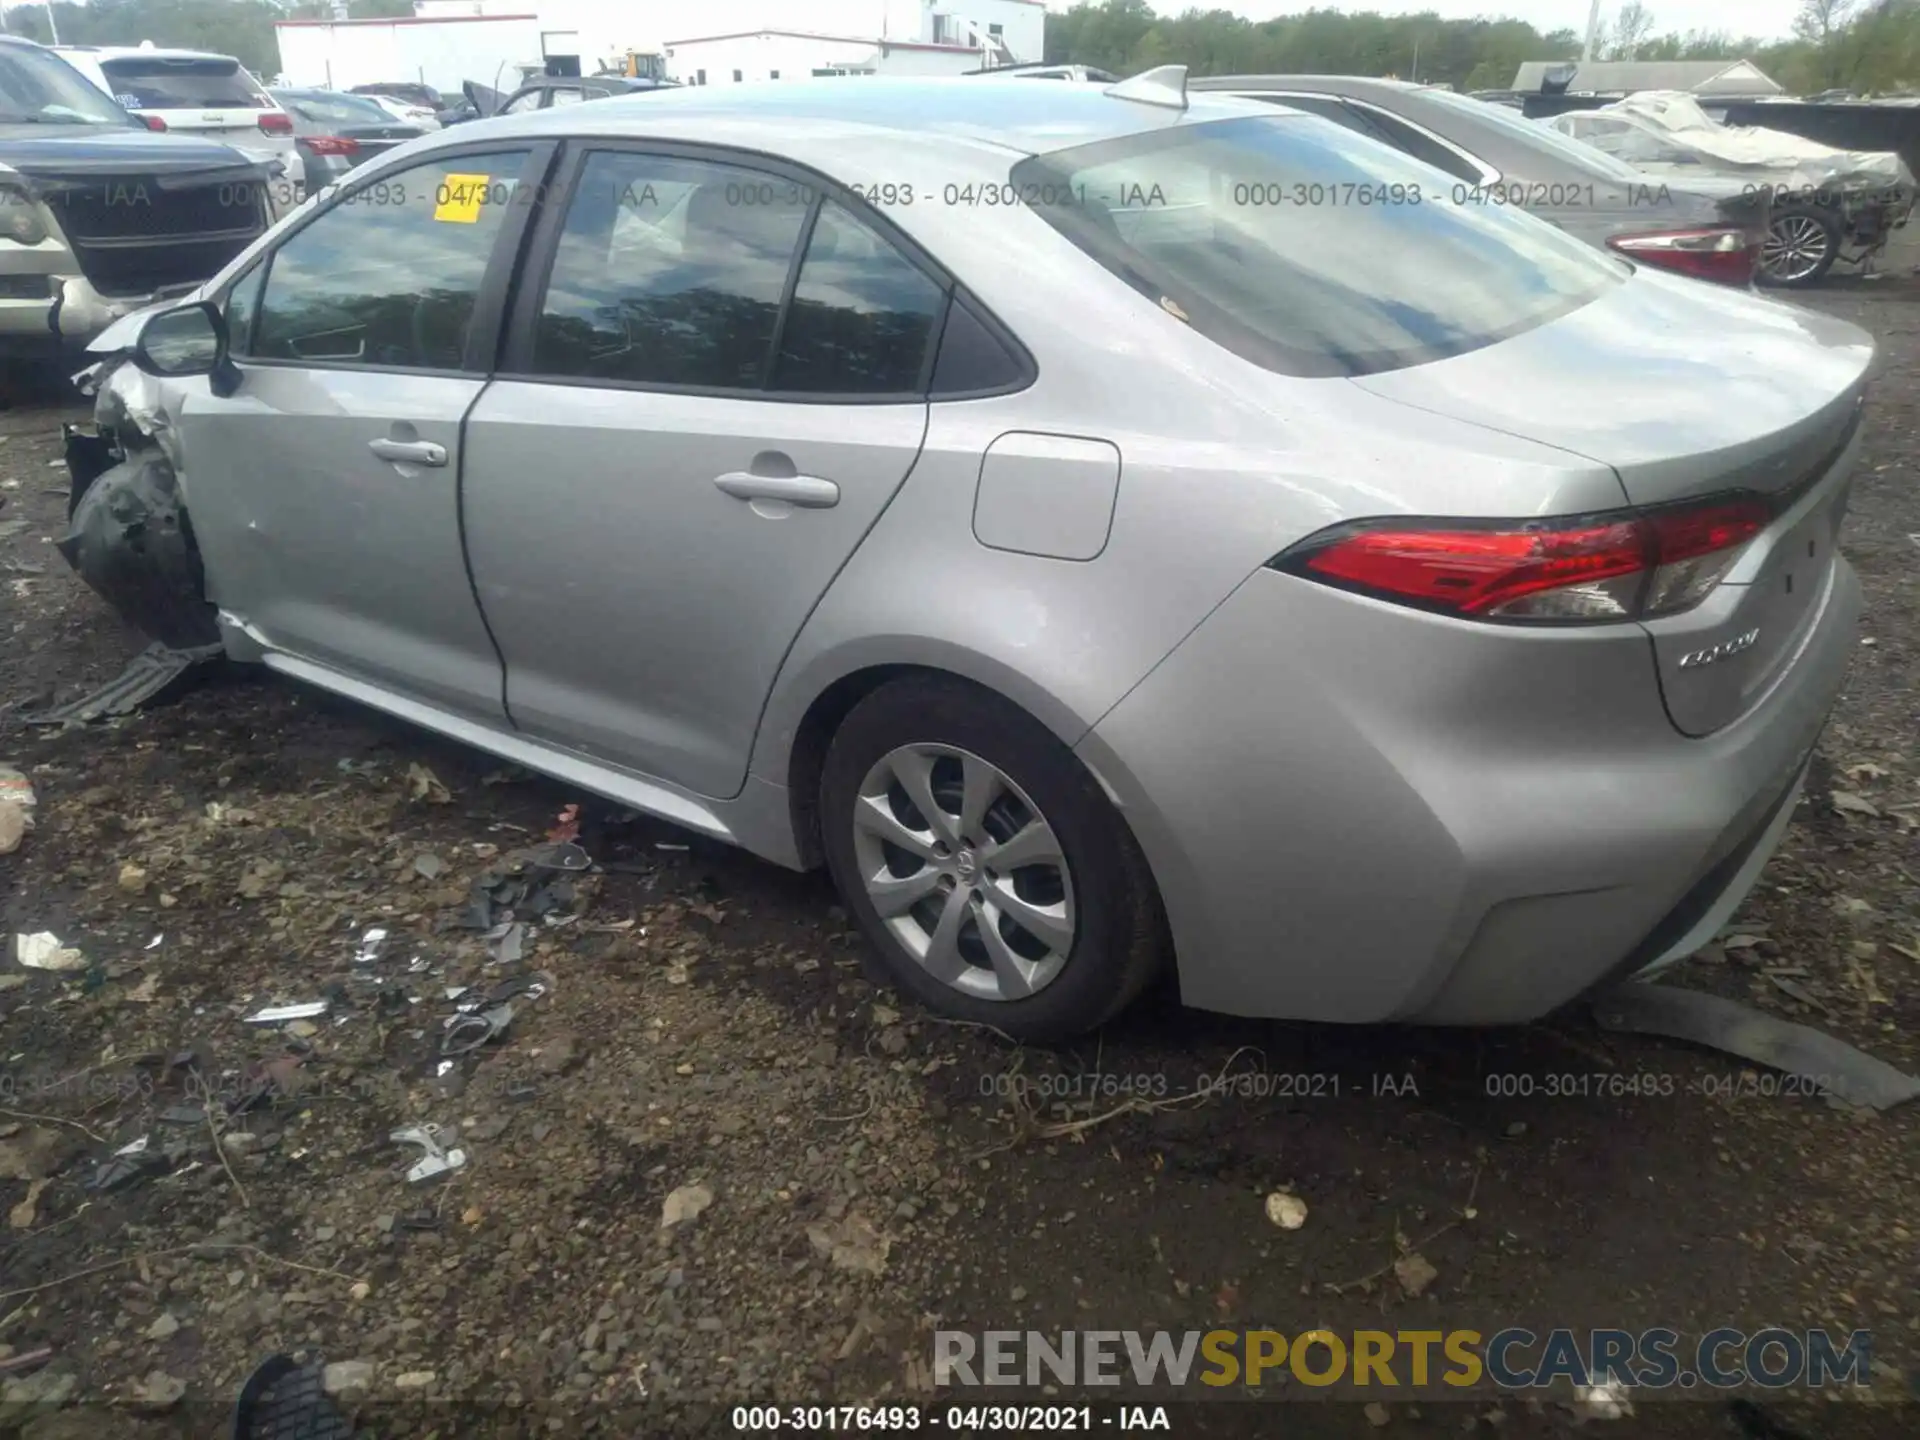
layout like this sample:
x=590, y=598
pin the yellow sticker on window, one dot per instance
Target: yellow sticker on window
x=459, y=199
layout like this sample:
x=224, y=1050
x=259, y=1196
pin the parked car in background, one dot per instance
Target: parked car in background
x=1038, y=71
x=715, y=459
x=337, y=131
x=424, y=96
x=542, y=92
x=1829, y=206
x=406, y=112
x=192, y=91
x=1496, y=156
x=101, y=215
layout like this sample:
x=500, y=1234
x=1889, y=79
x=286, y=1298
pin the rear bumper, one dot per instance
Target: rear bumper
x=1359, y=814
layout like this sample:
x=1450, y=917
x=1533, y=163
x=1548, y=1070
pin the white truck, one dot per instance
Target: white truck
x=441, y=52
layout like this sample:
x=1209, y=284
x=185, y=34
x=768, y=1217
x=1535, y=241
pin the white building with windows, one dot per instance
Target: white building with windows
x=765, y=39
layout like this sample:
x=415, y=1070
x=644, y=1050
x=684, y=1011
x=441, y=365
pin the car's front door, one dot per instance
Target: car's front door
x=325, y=489
x=700, y=414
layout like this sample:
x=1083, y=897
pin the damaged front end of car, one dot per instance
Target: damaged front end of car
x=129, y=536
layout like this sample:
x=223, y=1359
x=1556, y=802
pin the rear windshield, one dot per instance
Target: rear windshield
x=141, y=83
x=1309, y=249
x=325, y=110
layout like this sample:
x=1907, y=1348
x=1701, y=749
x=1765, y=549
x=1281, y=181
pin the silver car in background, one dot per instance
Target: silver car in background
x=1394, y=610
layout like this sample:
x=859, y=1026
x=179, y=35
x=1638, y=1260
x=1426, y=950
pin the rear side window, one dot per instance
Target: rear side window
x=669, y=272
x=862, y=315
x=1418, y=144
x=1309, y=250
x=141, y=83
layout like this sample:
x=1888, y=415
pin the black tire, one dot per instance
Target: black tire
x=1120, y=940
x=1801, y=216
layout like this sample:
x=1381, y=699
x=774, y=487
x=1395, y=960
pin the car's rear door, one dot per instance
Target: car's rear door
x=326, y=488
x=714, y=383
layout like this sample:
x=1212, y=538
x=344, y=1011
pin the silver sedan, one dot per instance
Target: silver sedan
x=1104, y=527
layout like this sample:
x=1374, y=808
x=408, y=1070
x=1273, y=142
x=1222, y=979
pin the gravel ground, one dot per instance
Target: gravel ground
x=843, y=1174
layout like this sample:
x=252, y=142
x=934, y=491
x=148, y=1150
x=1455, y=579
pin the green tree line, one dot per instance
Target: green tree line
x=1870, y=46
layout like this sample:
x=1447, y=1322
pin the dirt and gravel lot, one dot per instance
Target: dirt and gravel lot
x=844, y=1174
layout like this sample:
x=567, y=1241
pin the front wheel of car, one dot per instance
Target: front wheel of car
x=1801, y=245
x=989, y=871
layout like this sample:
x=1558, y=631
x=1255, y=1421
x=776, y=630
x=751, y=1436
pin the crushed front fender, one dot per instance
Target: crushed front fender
x=130, y=540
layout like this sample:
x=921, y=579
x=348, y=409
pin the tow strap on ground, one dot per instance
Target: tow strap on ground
x=1837, y=1068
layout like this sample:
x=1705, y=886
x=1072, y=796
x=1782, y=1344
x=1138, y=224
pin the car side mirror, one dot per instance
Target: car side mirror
x=191, y=340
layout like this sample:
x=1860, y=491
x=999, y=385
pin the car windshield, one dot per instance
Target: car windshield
x=1309, y=249
x=324, y=109
x=38, y=87
x=1540, y=136
x=142, y=82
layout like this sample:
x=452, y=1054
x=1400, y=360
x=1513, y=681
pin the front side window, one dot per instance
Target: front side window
x=243, y=303
x=567, y=95
x=1309, y=250
x=520, y=104
x=389, y=276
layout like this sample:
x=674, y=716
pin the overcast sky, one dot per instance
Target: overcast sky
x=1769, y=19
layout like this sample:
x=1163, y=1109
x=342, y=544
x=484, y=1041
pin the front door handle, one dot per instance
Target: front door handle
x=409, y=452
x=809, y=492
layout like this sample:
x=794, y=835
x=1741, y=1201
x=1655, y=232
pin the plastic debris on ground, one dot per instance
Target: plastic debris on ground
x=43, y=951
x=154, y=672
x=281, y=1014
x=16, y=808
x=437, y=1159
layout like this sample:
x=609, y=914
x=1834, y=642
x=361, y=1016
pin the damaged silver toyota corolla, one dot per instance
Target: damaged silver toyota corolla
x=1407, y=611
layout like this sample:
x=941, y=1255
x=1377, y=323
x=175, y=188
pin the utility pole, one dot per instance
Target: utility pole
x=1593, y=31
x=1416, y=60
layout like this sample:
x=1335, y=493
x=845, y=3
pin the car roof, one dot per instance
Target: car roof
x=122, y=52
x=804, y=115
x=1302, y=82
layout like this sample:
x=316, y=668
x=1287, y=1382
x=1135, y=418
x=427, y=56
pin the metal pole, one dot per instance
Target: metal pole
x=53, y=25
x=1593, y=31
x=1416, y=61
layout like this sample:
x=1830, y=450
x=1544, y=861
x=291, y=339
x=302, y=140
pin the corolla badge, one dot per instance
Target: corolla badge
x=1720, y=651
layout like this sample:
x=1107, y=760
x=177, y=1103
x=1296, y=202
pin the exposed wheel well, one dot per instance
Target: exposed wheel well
x=816, y=733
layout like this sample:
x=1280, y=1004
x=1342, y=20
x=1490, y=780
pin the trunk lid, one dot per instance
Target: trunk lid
x=1688, y=390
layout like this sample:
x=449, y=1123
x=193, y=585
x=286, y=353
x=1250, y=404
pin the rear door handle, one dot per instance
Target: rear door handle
x=809, y=492
x=409, y=452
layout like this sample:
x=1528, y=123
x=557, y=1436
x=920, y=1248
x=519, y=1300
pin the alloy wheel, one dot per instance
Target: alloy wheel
x=964, y=871
x=1796, y=247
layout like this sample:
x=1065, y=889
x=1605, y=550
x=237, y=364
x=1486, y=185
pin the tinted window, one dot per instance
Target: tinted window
x=389, y=275
x=1418, y=144
x=669, y=272
x=142, y=83
x=566, y=96
x=520, y=104
x=243, y=303
x=1327, y=107
x=1200, y=220
x=862, y=314
x=1534, y=135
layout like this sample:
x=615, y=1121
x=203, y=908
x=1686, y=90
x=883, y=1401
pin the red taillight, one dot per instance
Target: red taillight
x=276, y=122
x=1725, y=255
x=1619, y=566
x=332, y=145
x=153, y=122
